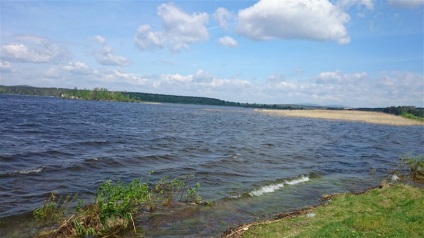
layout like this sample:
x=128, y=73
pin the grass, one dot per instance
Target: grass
x=113, y=210
x=412, y=116
x=390, y=211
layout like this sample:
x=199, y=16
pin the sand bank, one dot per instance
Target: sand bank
x=347, y=115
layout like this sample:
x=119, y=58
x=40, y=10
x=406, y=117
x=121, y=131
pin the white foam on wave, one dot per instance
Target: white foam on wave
x=273, y=187
x=299, y=180
x=266, y=189
x=30, y=171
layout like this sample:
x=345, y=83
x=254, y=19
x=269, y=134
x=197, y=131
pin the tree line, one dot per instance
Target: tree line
x=105, y=95
x=405, y=111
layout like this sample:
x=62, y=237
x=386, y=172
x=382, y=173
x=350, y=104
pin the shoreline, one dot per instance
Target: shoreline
x=346, y=115
x=307, y=212
x=235, y=232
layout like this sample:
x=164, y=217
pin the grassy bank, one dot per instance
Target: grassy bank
x=348, y=115
x=389, y=211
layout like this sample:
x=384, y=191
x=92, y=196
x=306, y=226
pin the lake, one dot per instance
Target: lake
x=251, y=164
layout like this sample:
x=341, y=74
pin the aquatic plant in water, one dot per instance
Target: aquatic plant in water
x=415, y=165
x=114, y=208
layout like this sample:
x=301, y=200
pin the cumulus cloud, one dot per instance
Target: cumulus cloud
x=118, y=76
x=179, y=30
x=33, y=49
x=227, y=41
x=406, y=3
x=202, y=77
x=335, y=77
x=222, y=15
x=77, y=68
x=5, y=66
x=106, y=55
x=68, y=71
x=350, y=89
x=295, y=19
x=201, y=81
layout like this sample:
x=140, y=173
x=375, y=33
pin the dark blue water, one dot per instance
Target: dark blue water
x=253, y=165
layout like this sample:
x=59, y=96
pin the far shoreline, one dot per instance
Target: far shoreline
x=346, y=115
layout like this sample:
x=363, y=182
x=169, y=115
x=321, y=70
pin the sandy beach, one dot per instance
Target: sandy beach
x=347, y=115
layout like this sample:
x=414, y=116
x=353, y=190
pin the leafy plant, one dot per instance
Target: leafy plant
x=191, y=194
x=415, y=165
x=54, y=208
x=114, y=207
x=120, y=200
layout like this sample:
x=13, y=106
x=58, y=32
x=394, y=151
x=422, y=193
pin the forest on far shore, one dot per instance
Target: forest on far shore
x=102, y=94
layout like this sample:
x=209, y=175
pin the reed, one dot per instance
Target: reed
x=347, y=115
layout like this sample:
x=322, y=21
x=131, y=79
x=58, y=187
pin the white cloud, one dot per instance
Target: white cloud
x=77, y=68
x=406, y=3
x=41, y=53
x=99, y=39
x=295, y=19
x=402, y=88
x=227, y=41
x=33, y=49
x=54, y=73
x=368, y=4
x=106, y=56
x=179, y=30
x=5, y=66
x=68, y=71
x=222, y=15
x=121, y=77
x=349, y=89
x=202, y=77
x=335, y=77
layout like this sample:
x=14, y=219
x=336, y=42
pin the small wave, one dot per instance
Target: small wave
x=273, y=187
x=266, y=189
x=302, y=179
x=31, y=171
x=23, y=172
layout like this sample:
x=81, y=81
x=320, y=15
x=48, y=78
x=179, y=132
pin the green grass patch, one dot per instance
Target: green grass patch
x=412, y=116
x=390, y=211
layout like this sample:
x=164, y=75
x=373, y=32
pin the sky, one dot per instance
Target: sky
x=357, y=53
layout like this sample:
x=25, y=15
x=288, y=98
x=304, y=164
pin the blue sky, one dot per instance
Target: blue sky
x=360, y=53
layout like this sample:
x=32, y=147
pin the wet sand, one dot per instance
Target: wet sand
x=347, y=115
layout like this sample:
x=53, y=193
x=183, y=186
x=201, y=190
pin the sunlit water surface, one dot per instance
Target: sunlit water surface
x=252, y=165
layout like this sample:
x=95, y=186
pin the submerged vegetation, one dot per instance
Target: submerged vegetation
x=114, y=209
